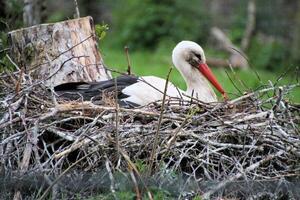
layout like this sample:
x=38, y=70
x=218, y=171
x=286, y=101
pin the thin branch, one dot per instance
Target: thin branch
x=126, y=48
x=117, y=115
x=222, y=184
x=77, y=13
x=111, y=177
x=64, y=172
x=156, y=136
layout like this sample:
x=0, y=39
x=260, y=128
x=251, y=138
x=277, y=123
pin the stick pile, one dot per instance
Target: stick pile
x=253, y=139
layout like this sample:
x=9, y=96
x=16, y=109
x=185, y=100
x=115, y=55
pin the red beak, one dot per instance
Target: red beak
x=205, y=70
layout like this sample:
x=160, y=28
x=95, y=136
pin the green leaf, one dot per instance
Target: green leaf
x=101, y=30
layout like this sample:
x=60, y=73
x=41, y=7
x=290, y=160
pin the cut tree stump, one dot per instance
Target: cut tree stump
x=58, y=53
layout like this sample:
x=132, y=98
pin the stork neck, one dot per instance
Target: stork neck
x=197, y=85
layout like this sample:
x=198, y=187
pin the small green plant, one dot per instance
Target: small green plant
x=126, y=195
x=4, y=61
x=159, y=194
x=101, y=30
x=197, y=198
x=141, y=166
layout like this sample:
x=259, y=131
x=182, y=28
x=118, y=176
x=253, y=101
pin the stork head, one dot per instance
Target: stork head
x=189, y=58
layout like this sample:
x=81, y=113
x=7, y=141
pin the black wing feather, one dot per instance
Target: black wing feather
x=94, y=90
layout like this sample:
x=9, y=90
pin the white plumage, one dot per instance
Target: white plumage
x=197, y=86
x=149, y=89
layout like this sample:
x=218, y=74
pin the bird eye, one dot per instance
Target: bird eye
x=198, y=56
x=194, y=59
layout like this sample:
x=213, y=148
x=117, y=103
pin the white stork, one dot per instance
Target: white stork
x=188, y=57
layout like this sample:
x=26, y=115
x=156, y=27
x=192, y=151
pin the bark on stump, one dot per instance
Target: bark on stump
x=60, y=52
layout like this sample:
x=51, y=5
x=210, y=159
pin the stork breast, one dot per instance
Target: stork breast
x=149, y=89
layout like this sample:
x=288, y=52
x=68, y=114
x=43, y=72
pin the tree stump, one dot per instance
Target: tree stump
x=59, y=53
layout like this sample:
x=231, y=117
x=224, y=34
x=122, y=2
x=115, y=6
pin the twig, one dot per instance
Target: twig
x=237, y=77
x=77, y=144
x=77, y=13
x=10, y=60
x=136, y=187
x=178, y=129
x=279, y=99
x=26, y=156
x=217, y=187
x=153, y=152
x=133, y=167
x=86, y=105
x=64, y=172
x=232, y=82
x=257, y=92
x=111, y=177
x=117, y=115
x=126, y=48
x=62, y=134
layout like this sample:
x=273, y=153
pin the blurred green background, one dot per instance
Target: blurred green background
x=151, y=28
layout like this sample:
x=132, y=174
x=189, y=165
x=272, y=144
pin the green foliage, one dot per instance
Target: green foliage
x=101, y=30
x=9, y=20
x=125, y=195
x=141, y=166
x=197, y=198
x=268, y=55
x=238, y=22
x=3, y=43
x=56, y=17
x=159, y=194
x=144, y=24
x=4, y=61
x=13, y=15
x=109, y=196
x=236, y=35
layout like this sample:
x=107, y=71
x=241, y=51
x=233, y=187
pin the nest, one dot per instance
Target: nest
x=248, y=147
